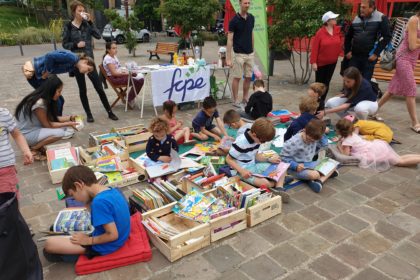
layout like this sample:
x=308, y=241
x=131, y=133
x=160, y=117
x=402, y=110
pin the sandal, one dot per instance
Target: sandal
x=39, y=157
x=415, y=128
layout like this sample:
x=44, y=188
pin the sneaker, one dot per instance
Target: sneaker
x=285, y=197
x=68, y=133
x=315, y=185
x=90, y=118
x=335, y=174
x=112, y=116
x=236, y=104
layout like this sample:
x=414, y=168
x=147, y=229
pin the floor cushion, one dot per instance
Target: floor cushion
x=136, y=249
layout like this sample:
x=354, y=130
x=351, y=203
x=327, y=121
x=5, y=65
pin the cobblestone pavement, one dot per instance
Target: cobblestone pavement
x=361, y=226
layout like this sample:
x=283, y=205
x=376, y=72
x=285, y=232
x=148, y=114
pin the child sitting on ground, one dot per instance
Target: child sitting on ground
x=176, y=128
x=203, y=122
x=377, y=154
x=161, y=143
x=109, y=214
x=371, y=130
x=307, y=108
x=243, y=156
x=259, y=104
x=8, y=176
x=301, y=149
x=317, y=90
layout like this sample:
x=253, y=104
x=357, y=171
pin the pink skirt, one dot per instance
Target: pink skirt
x=378, y=156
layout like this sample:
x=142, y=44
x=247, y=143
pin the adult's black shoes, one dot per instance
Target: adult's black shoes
x=90, y=118
x=112, y=116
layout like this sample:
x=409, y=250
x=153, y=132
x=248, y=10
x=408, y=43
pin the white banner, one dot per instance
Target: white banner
x=181, y=84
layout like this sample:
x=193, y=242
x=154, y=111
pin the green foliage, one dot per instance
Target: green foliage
x=302, y=19
x=208, y=36
x=222, y=40
x=7, y=39
x=190, y=14
x=126, y=25
x=12, y=19
x=56, y=28
x=33, y=35
x=147, y=10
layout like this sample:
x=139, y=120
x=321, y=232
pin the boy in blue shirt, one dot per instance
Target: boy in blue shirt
x=109, y=215
x=307, y=108
x=203, y=122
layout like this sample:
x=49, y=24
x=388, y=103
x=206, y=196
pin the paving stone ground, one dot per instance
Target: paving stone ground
x=363, y=225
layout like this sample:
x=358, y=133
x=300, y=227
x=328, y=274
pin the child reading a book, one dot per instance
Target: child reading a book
x=8, y=176
x=259, y=104
x=161, y=143
x=377, y=154
x=317, y=90
x=299, y=151
x=243, y=156
x=307, y=108
x=203, y=122
x=176, y=128
x=109, y=214
x=371, y=130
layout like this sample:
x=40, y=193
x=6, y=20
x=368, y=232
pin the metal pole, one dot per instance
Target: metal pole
x=20, y=47
x=54, y=43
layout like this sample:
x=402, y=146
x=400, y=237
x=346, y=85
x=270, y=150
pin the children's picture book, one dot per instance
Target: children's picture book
x=73, y=219
x=275, y=172
x=226, y=142
x=279, y=140
x=207, y=147
x=62, y=158
x=279, y=113
x=326, y=166
x=167, y=168
x=109, y=164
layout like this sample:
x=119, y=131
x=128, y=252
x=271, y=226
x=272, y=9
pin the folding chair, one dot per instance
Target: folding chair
x=120, y=90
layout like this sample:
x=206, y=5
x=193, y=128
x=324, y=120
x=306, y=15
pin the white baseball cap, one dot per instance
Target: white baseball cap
x=329, y=15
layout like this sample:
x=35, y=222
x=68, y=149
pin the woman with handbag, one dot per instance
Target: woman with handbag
x=403, y=83
x=326, y=47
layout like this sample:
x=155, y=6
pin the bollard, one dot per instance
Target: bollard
x=20, y=47
x=54, y=43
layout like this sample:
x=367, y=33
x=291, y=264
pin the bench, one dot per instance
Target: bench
x=382, y=75
x=164, y=48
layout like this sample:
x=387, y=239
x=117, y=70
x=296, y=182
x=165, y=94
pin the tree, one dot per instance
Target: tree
x=294, y=24
x=147, y=11
x=128, y=25
x=190, y=14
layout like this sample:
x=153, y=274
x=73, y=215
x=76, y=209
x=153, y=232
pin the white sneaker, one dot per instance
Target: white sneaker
x=68, y=133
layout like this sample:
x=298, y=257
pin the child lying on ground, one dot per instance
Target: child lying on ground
x=161, y=143
x=203, y=122
x=301, y=149
x=371, y=130
x=377, y=154
x=110, y=217
x=244, y=157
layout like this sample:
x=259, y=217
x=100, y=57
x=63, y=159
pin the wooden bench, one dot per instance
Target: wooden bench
x=382, y=75
x=164, y=48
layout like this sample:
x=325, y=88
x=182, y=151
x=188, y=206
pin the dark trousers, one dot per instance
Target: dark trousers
x=324, y=75
x=96, y=82
x=18, y=253
x=365, y=66
x=36, y=83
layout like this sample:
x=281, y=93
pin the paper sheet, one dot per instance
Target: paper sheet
x=279, y=141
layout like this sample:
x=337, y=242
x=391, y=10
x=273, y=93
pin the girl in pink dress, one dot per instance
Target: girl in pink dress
x=377, y=154
x=403, y=83
x=175, y=127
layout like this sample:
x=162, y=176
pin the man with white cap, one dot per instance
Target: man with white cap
x=367, y=36
x=326, y=47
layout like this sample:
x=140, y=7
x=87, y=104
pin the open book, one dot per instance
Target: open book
x=167, y=168
x=326, y=166
x=274, y=172
x=73, y=219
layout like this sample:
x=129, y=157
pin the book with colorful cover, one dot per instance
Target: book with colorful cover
x=326, y=166
x=62, y=158
x=275, y=172
x=73, y=219
x=109, y=164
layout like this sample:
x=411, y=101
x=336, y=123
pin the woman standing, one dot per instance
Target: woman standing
x=403, y=83
x=326, y=48
x=118, y=75
x=77, y=37
x=37, y=117
x=358, y=95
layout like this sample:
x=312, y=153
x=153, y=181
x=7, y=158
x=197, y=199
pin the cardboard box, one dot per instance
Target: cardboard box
x=58, y=174
x=192, y=237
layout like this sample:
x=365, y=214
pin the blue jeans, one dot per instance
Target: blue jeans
x=365, y=66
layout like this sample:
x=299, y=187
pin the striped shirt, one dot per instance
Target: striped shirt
x=244, y=149
x=7, y=125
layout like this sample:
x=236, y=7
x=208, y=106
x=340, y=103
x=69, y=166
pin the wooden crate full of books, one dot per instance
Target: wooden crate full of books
x=89, y=156
x=61, y=157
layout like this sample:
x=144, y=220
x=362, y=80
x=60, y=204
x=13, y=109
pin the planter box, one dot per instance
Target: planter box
x=192, y=237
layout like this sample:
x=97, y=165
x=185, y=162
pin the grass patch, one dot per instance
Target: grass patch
x=13, y=19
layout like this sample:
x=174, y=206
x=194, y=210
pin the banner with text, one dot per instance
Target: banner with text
x=258, y=10
x=181, y=84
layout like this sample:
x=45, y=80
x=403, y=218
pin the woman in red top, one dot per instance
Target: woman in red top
x=326, y=47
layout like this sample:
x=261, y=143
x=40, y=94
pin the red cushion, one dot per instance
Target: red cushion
x=136, y=249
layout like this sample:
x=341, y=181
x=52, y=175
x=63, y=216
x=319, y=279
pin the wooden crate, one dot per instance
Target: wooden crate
x=262, y=211
x=57, y=175
x=129, y=181
x=193, y=236
x=135, y=142
x=86, y=158
x=187, y=185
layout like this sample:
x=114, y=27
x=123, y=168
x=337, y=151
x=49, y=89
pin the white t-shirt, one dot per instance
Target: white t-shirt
x=110, y=60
